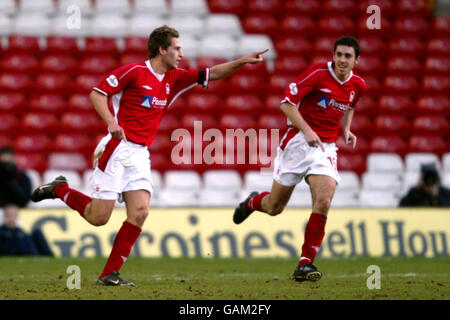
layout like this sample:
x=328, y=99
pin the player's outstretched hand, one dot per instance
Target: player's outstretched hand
x=255, y=57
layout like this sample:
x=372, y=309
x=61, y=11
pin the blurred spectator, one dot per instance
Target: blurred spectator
x=14, y=241
x=428, y=192
x=15, y=185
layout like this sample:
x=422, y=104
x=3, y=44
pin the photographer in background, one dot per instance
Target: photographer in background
x=428, y=192
x=15, y=185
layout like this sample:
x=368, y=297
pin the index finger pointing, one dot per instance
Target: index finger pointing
x=321, y=146
x=262, y=52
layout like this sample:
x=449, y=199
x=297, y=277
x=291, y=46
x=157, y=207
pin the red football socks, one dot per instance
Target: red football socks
x=255, y=202
x=124, y=241
x=314, y=233
x=73, y=198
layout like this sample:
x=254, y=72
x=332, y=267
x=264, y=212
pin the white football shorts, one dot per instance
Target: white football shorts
x=296, y=160
x=120, y=166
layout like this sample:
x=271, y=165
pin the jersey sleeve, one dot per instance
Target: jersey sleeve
x=359, y=93
x=186, y=78
x=116, y=81
x=301, y=86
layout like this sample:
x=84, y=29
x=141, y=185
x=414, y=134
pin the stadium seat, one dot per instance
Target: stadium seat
x=85, y=6
x=414, y=160
x=182, y=180
x=240, y=82
x=345, y=199
x=207, y=121
x=296, y=24
x=446, y=162
x=8, y=7
x=343, y=7
x=324, y=45
x=98, y=64
x=188, y=24
x=367, y=105
x=407, y=45
x=204, y=102
x=48, y=102
x=278, y=82
x=292, y=44
x=78, y=102
x=431, y=124
x=62, y=45
x=85, y=82
x=222, y=180
x=169, y=122
x=427, y=143
x=434, y=104
x=441, y=25
x=272, y=103
x=28, y=143
x=32, y=24
x=113, y=6
x=169, y=198
x=393, y=124
x=39, y=122
x=408, y=65
x=18, y=43
x=72, y=176
x=351, y=162
x=59, y=63
x=141, y=23
x=336, y=24
x=386, y=27
x=223, y=23
x=58, y=83
x=9, y=123
x=67, y=161
x=445, y=180
x=161, y=142
x=35, y=178
x=236, y=121
x=272, y=121
x=401, y=104
x=410, y=180
x=218, y=198
x=374, y=85
x=378, y=199
x=6, y=25
x=299, y=198
x=12, y=102
x=272, y=7
x=89, y=123
x=362, y=125
x=30, y=160
x=437, y=65
x=401, y=84
x=439, y=45
x=308, y=7
x=384, y=162
x=382, y=181
x=150, y=7
x=370, y=64
x=15, y=82
x=362, y=145
x=20, y=63
x=436, y=83
x=136, y=44
x=290, y=64
x=159, y=161
x=260, y=23
x=73, y=142
x=108, y=25
x=218, y=45
x=255, y=42
x=237, y=7
x=245, y=103
x=411, y=7
x=257, y=181
x=411, y=25
x=388, y=143
x=43, y=6
x=349, y=180
x=372, y=45
x=101, y=46
x=193, y=7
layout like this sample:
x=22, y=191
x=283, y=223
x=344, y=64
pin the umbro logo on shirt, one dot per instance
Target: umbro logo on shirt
x=147, y=87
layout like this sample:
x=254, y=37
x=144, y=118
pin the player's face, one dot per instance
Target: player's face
x=173, y=54
x=344, y=61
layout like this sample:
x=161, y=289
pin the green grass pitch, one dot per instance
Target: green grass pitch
x=33, y=278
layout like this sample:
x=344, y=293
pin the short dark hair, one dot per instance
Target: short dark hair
x=350, y=42
x=7, y=150
x=161, y=37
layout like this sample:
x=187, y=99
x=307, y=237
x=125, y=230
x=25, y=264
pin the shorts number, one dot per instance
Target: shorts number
x=333, y=162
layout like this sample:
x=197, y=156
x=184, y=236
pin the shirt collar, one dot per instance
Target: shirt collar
x=157, y=75
x=330, y=68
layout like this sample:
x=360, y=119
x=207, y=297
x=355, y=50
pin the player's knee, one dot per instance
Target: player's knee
x=322, y=205
x=100, y=220
x=140, y=215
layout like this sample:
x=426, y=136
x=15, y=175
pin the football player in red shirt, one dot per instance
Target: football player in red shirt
x=315, y=104
x=140, y=94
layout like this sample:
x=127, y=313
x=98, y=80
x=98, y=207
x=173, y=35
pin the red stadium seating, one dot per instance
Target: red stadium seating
x=362, y=125
x=53, y=83
x=324, y=45
x=407, y=45
x=296, y=24
x=6, y=140
x=49, y=102
x=336, y=24
x=272, y=121
x=129, y=58
x=295, y=44
x=236, y=121
x=160, y=161
x=99, y=45
x=204, y=102
x=85, y=82
x=17, y=82
x=161, y=143
x=404, y=65
x=73, y=142
x=207, y=121
x=272, y=7
x=385, y=31
x=307, y=7
x=245, y=103
x=392, y=124
x=292, y=64
x=272, y=103
x=82, y=122
x=20, y=63
x=427, y=143
x=36, y=161
x=251, y=83
x=431, y=124
x=238, y=7
x=344, y=7
x=389, y=143
x=9, y=123
x=23, y=43
x=39, y=122
x=351, y=162
x=169, y=122
x=374, y=85
x=437, y=65
x=408, y=7
x=434, y=104
x=259, y=69
x=387, y=7
x=62, y=45
x=401, y=84
x=396, y=104
x=439, y=45
x=12, y=102
x=372, y=45
x=370, y=64
x=98, y=64
x=367, y=105
x=59, y=63
x=436, y=83
x=207, y=62
x=136, y=45
x=33, y=143
x=79, y=102
x=279, y=82
x=441, y=25
x=411, y=26
x=362, y=146
x=260, y=23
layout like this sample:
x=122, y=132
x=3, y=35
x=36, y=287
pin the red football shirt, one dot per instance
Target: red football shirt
x=140, y=96
x=322, y=98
